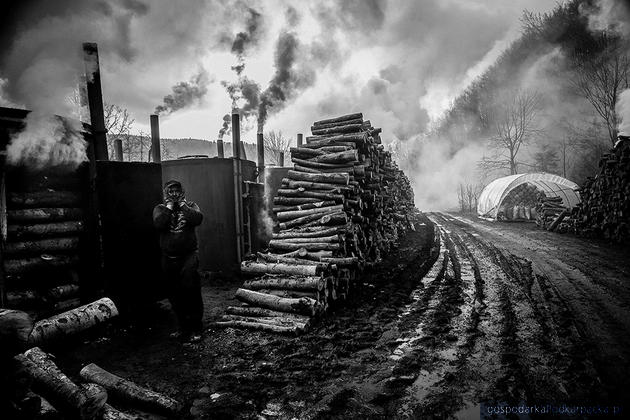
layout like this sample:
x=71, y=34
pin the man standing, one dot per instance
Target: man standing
x=176, y=220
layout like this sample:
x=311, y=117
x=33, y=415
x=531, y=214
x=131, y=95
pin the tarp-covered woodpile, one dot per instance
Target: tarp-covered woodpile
x=605, y=207
x=343, y=206
x=520, y=203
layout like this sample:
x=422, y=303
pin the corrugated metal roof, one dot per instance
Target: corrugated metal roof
x=552, y=185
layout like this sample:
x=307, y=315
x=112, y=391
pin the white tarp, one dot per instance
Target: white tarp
x=553, y=186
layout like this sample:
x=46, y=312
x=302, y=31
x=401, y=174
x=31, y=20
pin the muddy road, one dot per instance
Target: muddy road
x=473, y=311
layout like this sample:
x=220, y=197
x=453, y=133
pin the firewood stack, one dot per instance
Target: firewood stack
x=550, y=212
x=44, y=221
x=605, y=207
x=520, y=203
x=342, y=207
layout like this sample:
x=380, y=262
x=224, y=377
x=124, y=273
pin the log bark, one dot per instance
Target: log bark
x=260, y=326
x=305, y=152
x=23, y=298
x=64, y=291
x=111, y=413
x=337, y=124
x=348, y=128
x=277, y=258
x=129, y=392
x=350, y=140
x=53, y=245
x=342, y=261
x=47, y=411
x=291, y=201
x=329, y=220
x=333, y=149
x=321, y=231
x=318, y=239
x=304, y=306
x=250, y=267
x=297, y=294
x=295, y=214
x=340, y=166
x=307, y=206
x=44, y=215
x=322, y=177
x=304, y=169
x=253, y=311
x=45, y=229
x=15, y=328
x=44, y=199
x=57, y=388
x=313, y=246
x=281, y=321
x=303, y=193
x=73, y=321
x=302, y=283
x=353, y=116
x=318, y=186
x=337, y=158
x=303, y=253
x=304, y=220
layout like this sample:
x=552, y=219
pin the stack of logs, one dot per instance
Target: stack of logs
x=520, y=203
x=44, y=220
x=605, y=207
x=342, y=207
x=550, y=212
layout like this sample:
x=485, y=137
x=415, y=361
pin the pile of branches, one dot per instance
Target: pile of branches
x=342, y=207
x=605, y=207
x=550, y=213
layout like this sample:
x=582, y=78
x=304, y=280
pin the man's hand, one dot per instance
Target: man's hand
x=170, y=204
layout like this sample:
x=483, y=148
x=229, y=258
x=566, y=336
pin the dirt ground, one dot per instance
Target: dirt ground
x=497, y=312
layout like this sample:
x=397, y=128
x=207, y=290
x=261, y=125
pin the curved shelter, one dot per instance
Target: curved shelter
x=495, y=193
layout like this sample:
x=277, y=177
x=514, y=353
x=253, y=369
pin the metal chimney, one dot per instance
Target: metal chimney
x=155, y=139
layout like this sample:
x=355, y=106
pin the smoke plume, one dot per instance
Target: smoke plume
x=623, y=112
x=185, y=94
x=48, y=141
x=609, y=15
x=246, y=39
x=225, y=127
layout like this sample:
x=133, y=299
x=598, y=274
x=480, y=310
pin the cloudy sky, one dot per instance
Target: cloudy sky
x=399, y=62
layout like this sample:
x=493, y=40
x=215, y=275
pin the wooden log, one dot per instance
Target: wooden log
x=329, y=220
x=45, y=229
x=351, y=140
x=52, y=245
x=320, y=231
x=307, y=206
x=312, y=246
x=23, y=298
x=304, y=220
x=129, y=392
x=291, y=201
x=318, y=165
x=337, y=158
x=304, y=306
x=341, y=261
x=260, y=326
x=305, y=151
x=313, y=256
x=57, y=388
x=44, y=214
x=296, y=294
x=330, y=238
x=295, y=214
x=332, y=178
x=64, y=291
x=349, y=128
x=65, y=305
x=47, y=411
x=304, y=169
x=73, y=321
x=318, y=186
x=111, y=413
x=281, y=321
x=333, y=149
x=251, y=267
x=294, y=283
x=303, y=193
x=557, y=221
x=337, y=124
x=279, y=258
x=15, y=328
x=44, y=199
x=253, y=311
x=353, y=116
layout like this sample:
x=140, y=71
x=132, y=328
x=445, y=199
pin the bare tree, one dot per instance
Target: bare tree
x=118, y=123
x=600, y=80
x=515, y=123
x=468, y=197
x=275, y=143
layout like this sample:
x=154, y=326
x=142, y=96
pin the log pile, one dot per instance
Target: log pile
x=45, y=391
x=342, y=206
x=550, y=212
x=605, y=207
x=520, y=204
x=44, y=221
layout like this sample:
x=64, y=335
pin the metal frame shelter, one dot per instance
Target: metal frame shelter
x=552, y=185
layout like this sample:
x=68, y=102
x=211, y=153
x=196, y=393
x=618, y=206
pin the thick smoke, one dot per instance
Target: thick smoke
x=609, y=15
x=185, y=94
x=246, y=39
x=225, y=127
x=48, y=141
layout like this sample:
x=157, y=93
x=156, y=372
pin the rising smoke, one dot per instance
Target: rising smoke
x=225, y=128
x=48, y=141
x=185, y=94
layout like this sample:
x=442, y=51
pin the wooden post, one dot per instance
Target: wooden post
x=118, y=150
x=300, y=139
x=260, y=149
x=238, y=184
x=95, y=100
x=220, y=152
x=155, y=139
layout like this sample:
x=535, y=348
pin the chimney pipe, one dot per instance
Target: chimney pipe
x=236, y=135
x=281, y=159
x=118, y=151
x=95, y=100
x=155, y=138
x=300, y=138
x=260, y=149
x=220, y=148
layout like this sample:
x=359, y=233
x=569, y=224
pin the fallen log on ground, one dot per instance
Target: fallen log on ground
x=279, y=321
x=303, y=306
x=129, y=392
x=253, y=311
x=255, y=325
x=57, y=388
x=73, y=321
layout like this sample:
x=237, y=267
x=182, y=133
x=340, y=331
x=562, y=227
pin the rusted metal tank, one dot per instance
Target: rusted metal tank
x=209, y=182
